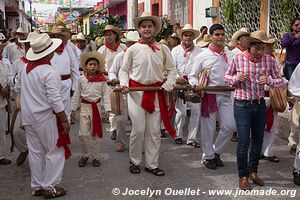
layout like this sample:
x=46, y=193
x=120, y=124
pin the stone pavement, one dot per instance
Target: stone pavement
x=185, y=175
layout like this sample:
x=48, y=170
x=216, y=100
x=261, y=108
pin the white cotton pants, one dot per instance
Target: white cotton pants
x=181, y=118
x=46, y=160
x=269, y=137
x=85, y=132
x=208, y=128
x=65, y=92
x=121, y=121
x=145, y=133
x=2, y=132
x=295, y=128
x=19, y=134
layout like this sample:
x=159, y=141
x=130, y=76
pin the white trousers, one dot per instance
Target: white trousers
x=46, y=160
x=85, y=132
x=121, y=121
x=65, y=92
x=2, y=132
x=181, y=118
x=269, y=137
x=295, y=128
x=19, y=134
x=208, y=128
x=145, y=133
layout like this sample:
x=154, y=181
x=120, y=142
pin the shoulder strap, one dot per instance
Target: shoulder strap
x=164, y=60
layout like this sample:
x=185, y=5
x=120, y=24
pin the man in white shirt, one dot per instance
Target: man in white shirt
x=184, y=56
x=16, y=50
x=218, y=103
x=43, y=116
x=147, y=64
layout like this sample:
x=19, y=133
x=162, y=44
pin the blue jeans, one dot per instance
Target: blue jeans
x=289, y=69
x=250, y=118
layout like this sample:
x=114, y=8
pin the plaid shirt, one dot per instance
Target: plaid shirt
x=252, y=90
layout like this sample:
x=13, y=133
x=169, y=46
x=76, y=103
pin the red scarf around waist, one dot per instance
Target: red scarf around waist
x=269, y=119
x=25, y=60
x=115, y=48
x=208, y=104
x=96, y=121
x=222, y=53
x=148, y=103
x=63, y=139
x=152, y=45
x=33, y=64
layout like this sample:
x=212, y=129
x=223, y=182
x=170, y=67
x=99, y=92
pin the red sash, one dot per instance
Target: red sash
x=213, y=49
x=152, y=45
x=96, y=121
x=148, y=103
x=115, y=48
x=269, y=119
x=63, y=139
x=208, y=104
x=33, y=64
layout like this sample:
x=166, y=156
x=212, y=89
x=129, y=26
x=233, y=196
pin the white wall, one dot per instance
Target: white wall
x=165, y=7
x=199, y=18
x=130, y=11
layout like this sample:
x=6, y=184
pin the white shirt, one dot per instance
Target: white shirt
x=6, y=64
x=184, y=65
x=294, y=84
x=15, y=69
x=218, y=65
x=14, y=52
x=40, y=94
x=91, y=91
x=3, y=82
x=236, y=51
x=110, y=55
x=145, y=66
x=113, y=72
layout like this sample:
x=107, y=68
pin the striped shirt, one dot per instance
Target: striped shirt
x=251, y=89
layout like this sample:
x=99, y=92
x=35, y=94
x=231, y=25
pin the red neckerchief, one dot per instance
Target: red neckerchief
x=18, y=46
x=148, y=103
x=1, y=57
x=252, y=58
x=125, y=50
x=81, y=47
x=187, y=50
x=213, y=49
x=152, y=45
x=60, y=49
x=63, y=140
x=31, y=65
x=97, y=78
x=115, y=48
x=25, y=60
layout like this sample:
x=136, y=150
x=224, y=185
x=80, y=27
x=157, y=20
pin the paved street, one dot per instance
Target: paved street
x=181, y=164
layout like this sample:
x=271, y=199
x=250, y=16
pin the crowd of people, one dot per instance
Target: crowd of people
x=46, y=78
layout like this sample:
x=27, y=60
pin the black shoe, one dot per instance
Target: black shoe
x=5, y=161
x=296, y=175
x=293, y=151
x=218, y=160
x=113, y=135
x=210, y=164
x=163, y=133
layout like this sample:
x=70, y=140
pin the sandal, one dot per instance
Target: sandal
x=82, y=161
x=134, y=169
x=178, y=141
x=271, y=159
x=194, y=144
x=156, y=171
x=96, y=163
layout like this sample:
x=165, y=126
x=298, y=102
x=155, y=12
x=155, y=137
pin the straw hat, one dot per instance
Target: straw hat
x=239, y=33
x=2, y=37
x=57, y=31
x=112, y=28
x=131, y=36
x=259, y=36
x=80, y=36
x=74, y=37
x=30, y=37
x=92, y=54
x=271, y=39
x=204, y=42
x=146, y=16
x=20, y=30
x=174, y=35
x=188, y=28
x=41, y=46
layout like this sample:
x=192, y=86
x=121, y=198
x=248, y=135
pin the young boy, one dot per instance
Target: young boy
x=92, y=88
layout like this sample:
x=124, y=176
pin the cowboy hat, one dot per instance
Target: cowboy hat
x=57, y=31
x=2, y=37
x=146, y=16
x=204, y=42
x=271, y=39
x=73, y=37
x=30, y=37
x=131, y=36
x=259, y=36
x=95, y=55
x=239, y=33
x=80, y=36
x=188, y=28
x=41, y=46
x=20, y=30
x=109, y=27
x=174, y=35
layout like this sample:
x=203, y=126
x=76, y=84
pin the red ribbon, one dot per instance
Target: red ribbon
x=148, y=103
x=63, y=139
x=25, y=60
x=270, y=119
x=96, y=121
x=252, y=58
x=187, y=50
x=115, y=48
x=31, y=65
x=152, y=45
x=212, y=48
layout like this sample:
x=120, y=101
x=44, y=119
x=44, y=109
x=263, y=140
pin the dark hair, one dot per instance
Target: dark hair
x=202, y=28
x=215, y=27
x=146, y=19
x=88, y=60
x=293, y=22
x=177, y=24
